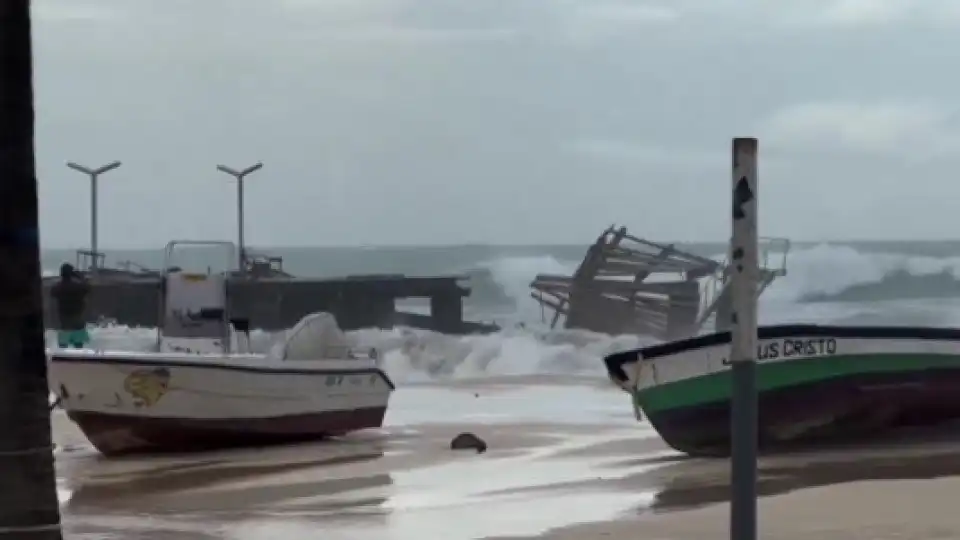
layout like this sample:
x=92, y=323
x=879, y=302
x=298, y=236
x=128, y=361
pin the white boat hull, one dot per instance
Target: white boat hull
x=148, y=402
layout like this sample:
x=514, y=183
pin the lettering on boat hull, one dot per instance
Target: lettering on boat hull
x=789, y=348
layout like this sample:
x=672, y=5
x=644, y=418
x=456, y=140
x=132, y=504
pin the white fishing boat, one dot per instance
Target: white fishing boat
x=201, y=388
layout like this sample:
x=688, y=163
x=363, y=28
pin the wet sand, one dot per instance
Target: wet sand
x=566, y=460
x=893, y=489
x=917, y=509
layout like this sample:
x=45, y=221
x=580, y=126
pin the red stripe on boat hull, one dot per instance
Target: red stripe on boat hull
x=115, y=434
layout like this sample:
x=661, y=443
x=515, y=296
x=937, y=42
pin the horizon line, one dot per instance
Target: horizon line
x=514, y=245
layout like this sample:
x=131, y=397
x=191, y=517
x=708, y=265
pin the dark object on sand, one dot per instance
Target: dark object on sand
x=468, y=441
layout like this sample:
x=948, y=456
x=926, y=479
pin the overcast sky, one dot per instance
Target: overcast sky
x=496, y=121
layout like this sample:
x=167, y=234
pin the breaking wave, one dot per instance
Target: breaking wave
x=419, y=355
x=837, y=273
x=819, y=273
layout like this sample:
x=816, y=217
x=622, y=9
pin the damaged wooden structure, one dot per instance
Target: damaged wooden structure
x=628, y=285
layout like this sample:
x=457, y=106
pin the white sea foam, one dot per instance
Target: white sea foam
x=411, y=354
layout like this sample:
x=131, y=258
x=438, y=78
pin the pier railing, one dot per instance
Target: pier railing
x=773, y=264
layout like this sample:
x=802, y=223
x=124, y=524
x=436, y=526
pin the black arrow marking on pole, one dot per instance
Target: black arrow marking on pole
x=742, y=194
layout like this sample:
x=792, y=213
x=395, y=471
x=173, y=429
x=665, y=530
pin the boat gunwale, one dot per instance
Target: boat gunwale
x=615, y=362
x=278, y=369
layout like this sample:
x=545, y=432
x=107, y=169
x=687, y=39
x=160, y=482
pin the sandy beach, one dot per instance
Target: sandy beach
x=566, y=460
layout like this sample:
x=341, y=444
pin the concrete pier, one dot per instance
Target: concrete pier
x=277, y=303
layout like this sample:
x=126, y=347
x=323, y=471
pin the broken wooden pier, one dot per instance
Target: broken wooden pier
x=628, y=285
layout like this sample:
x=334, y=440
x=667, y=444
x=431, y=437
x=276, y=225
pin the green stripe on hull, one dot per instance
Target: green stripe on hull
x=774, y=375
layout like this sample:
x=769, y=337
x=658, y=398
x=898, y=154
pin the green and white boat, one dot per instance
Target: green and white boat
x=814, y=383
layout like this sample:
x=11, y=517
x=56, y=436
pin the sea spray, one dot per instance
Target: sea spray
x=420, y=355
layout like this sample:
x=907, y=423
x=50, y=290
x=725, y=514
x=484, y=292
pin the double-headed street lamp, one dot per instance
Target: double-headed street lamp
x=94, y=174
x=240, y=175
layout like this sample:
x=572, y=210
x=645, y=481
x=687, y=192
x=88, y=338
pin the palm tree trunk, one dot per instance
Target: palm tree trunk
x=29, y=509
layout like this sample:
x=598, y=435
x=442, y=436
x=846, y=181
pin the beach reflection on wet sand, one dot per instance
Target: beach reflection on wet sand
x=554, y=475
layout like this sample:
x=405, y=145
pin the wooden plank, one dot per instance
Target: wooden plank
x=652, y=259
x=632, y=268
x=560, y=306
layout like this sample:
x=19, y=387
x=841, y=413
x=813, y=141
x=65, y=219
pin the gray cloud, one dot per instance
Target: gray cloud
x=408, y=121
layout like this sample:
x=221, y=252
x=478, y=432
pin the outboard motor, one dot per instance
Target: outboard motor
x=242, y=326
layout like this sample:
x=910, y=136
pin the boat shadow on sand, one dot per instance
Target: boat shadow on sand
x=906, y=455
x=308, y=478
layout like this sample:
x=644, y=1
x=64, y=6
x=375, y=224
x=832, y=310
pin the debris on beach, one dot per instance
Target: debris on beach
x=468, y=441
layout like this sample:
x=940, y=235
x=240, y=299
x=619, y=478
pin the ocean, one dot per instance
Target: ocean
x=878, y=282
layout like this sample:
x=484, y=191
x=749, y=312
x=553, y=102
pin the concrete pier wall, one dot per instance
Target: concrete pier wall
x=278, y=303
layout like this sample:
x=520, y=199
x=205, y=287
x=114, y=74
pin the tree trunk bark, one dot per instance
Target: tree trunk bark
x=29, y=508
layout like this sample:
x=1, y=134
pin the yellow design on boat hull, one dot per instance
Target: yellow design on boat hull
x=147, y=386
